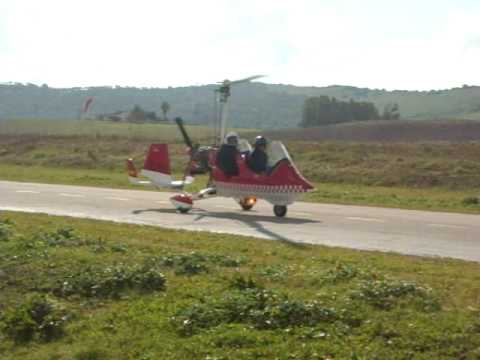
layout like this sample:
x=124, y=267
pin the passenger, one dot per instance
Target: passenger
x=227, y=155
x=258, y=159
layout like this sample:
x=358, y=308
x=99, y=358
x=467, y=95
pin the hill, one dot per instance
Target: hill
x=255, y=105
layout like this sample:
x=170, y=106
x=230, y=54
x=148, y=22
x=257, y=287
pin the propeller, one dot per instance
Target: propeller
x=198, y=156
x=186, y=138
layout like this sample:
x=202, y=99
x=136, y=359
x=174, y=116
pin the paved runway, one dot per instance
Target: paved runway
x=368, y=228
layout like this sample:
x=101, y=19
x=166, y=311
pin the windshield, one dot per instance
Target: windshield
x=244, y=146
x=276, y=151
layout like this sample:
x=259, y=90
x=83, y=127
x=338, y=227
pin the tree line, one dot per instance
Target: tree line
x=323, y=110
x=136, y=115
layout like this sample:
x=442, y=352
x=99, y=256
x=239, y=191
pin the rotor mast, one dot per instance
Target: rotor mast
x=223, y=96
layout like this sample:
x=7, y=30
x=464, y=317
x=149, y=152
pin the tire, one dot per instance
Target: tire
x=183, y=211
x=280, y=210
x=245, y=206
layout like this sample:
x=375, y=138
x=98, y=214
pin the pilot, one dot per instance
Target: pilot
x=227, y=155
x=258, y=159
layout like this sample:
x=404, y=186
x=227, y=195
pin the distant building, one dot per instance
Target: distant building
x=117, y=116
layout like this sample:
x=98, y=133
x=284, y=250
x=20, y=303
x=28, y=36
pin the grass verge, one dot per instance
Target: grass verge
x=83, y=289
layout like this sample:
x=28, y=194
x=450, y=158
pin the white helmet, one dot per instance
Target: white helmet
x=231, y=138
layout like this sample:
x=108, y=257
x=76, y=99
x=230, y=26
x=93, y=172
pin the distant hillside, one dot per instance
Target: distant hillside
x=252, y=105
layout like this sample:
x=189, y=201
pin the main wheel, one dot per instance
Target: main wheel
x=280, y=210
x=247, y=203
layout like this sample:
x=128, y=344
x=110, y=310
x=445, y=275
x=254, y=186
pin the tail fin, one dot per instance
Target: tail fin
x=157, y=169
x=157, y=165
x=158, y=159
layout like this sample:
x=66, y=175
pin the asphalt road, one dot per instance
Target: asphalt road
x=367, y=228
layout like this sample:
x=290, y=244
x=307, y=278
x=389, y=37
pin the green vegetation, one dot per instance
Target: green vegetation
x=322, y=110
x=434, y=199
x=83, y=289
x=98, y=129
x=254, y=105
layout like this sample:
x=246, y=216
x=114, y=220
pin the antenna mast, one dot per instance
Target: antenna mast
x=223, y=96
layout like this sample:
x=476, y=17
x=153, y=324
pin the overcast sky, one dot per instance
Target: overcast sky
x=405, y=44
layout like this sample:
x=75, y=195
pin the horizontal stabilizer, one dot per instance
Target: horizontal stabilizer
x=157, y=169
x=133, y=174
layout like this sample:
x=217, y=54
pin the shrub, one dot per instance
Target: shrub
x=275, y=272
x=91, y=354
x=111, y=281
x=471, y=200
x=240, y=283
x=385, y=293
x=341, y=272
x=195, y=263
x=59, y=237
x=260, y=308
x=5, y=229
x=38, y=317
x=66, y=236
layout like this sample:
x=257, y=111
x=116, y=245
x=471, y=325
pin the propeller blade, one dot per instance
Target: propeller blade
x=185, y=136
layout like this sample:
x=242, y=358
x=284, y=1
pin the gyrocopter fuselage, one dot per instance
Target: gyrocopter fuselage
x=280, y=184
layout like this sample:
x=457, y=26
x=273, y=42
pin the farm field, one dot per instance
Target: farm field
x=88, y=128
x=386, y=131
x=84, y=289
x=437, y=175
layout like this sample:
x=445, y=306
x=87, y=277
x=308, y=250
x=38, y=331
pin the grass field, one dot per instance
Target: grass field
x=82, y=289
x=387, y=131
x=87, y=128
x=434, y=175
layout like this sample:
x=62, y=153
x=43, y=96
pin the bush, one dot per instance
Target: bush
x=5, y=229
x=91, y=354
x=36, y=317
x=260, y=308
x=195, y=263
x=274, y=272
x=60, y=237
x=341, y=272
x=111, y=281
x=471, y=200
x=240, y=283
x=385, y=293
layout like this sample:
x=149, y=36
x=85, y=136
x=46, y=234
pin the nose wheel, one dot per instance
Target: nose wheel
x=280, y=210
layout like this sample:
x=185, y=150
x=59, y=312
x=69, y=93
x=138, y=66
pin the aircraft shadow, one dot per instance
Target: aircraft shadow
x=250, y=219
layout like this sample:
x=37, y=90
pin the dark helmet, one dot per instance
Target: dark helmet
x=260, y=141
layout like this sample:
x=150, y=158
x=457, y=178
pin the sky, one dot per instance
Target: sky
x=382, y=44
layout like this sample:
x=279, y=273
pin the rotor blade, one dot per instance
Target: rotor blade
x=246, y=79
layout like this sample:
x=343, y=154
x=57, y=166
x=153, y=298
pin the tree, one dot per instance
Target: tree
x=323, y=110
x=137, y=114
x=391, y=111
x=165, y=108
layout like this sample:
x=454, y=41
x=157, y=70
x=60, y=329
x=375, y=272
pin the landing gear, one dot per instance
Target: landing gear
x=280, y=210
x=247, y=203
